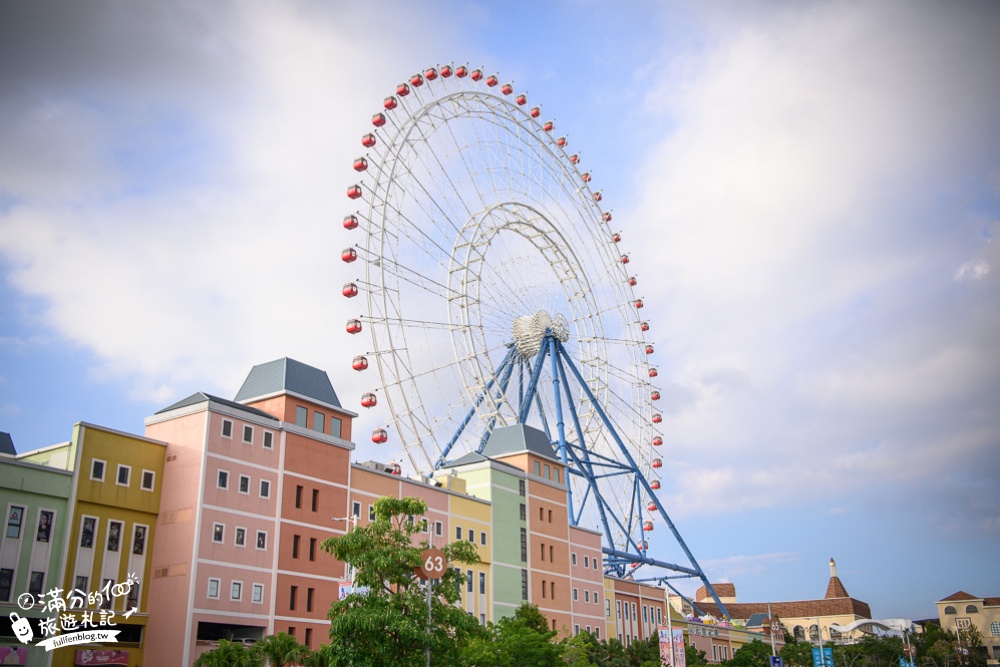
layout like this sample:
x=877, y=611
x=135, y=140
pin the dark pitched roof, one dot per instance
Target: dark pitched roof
x=756, y=620
x=288, y=375
x=201, y=397
x=960, y=595
x=466, y=459
x=723, y=590
x=518, y=438
x=7, y=444
x=835, y=589
x=799, y=609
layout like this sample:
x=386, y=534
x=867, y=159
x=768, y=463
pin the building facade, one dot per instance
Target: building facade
x=961, y=611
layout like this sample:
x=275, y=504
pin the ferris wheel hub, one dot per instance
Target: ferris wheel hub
x=530, y=330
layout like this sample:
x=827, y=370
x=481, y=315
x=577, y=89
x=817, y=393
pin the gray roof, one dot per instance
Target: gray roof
x=518, y=438
x=7, y=444
x=201, y=397
x=288, y=375
x=756, y=620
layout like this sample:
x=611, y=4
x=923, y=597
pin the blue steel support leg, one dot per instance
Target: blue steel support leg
x=560, y=426
x=641, y=478
x=507, y=360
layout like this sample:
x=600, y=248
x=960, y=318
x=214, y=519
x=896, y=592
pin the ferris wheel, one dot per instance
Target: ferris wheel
x=494, y=290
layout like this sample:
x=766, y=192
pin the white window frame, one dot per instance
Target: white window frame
x=257, y=540
x=232, y=588
x=257, y=594
x=218, y=479
x=268, y=440
x=245, y=441
x=104, y=469
x=218, y=588
x=265, y=484
x=152, y=480
x=356, y=509
x=222, y=430
x=118, y=475
x=236, y=534
x=222, y=538
x=576, y=594
x=239, y=486
x=572, y=558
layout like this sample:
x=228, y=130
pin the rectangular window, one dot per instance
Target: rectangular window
x=458, y=532
x=319, y=422
x=635, y=616
x=213, y=588
x=265, y=488
x=576, y=594
x=315, y=500
x=262, y=539
x=114, y=535
x=309, y=637
x=576, y=629
x=222, y=481
x=423, y=525
x=108, y=583
x=550, y=516
x=6, y=583
x=291, y=630
x=607, y=608
x=523, y=512
x=597, y=631
x=541, y=514
x=586, y=596
x=645, y=617
x=245, y=484
x=538, y=468
x=124, y=472
x=227, y=428
x=472, y=535
x=258, y=593
x=618, y=608
x=520, y=487
x=438, y=527
x=293, y=593
x=36, y=583
x=335, y=426
x=544, y=588
x=551, y=558
x=524, y=584
x=295, y=546
x=248, y=434
x=132, y=598
x=87, y=532
x=371, y=513
x=97, y=470
x=596, y=601
x=586, y=560
x=524, y=545
x=301, y=416
x=310, y=594
x=542, y=549
x=312, y=548
x=548, y=471
x=659, y=615
x=482, y=582
x=552, y=589
x=236, y=591
x=268, y=440
x=356, y=509
x=139, y=540
x=482, y=538
x=148, y=477
x=15, y=518
x=572, y=559
x=218, y=533
x=558, y=475
x=241, y=536
x=298, y=496
x=468, y=581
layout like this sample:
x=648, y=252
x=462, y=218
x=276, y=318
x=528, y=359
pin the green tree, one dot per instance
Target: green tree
x=971, y=652
x=644, y=653
x=387, y=625
x=321, y=657
x=228, y=654
x=754, y=654
x=797, y=654
x=521, y=640
x=694, y=656
x=581, y=650
x=280, y=650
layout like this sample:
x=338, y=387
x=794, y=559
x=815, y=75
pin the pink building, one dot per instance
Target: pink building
x=249, y=490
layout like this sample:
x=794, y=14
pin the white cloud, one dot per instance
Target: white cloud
x=974, y=269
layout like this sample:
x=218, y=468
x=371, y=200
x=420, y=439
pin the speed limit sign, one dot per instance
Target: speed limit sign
x=432, y=564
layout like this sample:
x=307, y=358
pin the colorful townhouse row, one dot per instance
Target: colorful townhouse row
x=209, y=526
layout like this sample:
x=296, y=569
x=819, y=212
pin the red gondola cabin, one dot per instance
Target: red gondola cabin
x=655, y=485
x=368, y=400
x=461, y=71
x=607, y=216
x=649, y=349
x=575, y=158
x=549, y=125
x=446, y=71
x=389, y=102
x=561, y=141
x=349, y=290
x=492, y=80
x=653, y=372
x=416, y=80
x=598, y=196
x=644, y=326
x=616, y=237
x=647, y=526
x=625, y=259
x=402, y=90
x=535, y=112
x=348, y=255
x=368, y=140
x=632, y=283
x=585, y=175
x=654, y=395
x=521, y=99
x=507, y=89
x=657, y=441
x=378, y=120
x=350, y=222
x=657, y=418
x=637, y=303
x=360, y=164
x=430, y=74
x=477, y=74
x=354, y=191
x=353, y=326
x=379, y=436
x=360, y=362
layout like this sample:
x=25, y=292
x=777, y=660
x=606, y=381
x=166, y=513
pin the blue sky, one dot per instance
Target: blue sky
x=810, y=193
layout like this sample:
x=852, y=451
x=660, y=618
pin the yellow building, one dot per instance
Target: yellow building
x=113, y=509
x=961, y=611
